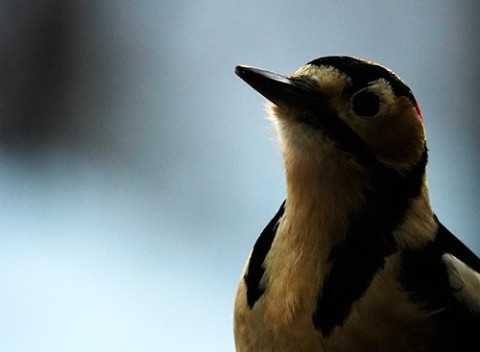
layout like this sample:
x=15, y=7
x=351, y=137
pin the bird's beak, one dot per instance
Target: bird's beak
x=281, y=90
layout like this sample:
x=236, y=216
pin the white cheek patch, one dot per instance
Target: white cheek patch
x=464, y=282
x=384, y=90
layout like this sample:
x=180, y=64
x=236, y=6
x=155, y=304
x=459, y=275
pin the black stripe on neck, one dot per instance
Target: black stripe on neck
x=261, y=248
x=369, y=240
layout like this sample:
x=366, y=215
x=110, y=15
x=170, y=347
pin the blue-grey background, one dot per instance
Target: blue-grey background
x=136, y=170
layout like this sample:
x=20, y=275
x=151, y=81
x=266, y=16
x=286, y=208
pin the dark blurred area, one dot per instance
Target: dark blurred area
x=51, y=71
x=36, y=63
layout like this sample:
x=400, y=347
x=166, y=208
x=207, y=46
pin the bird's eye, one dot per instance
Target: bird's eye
x=366, y=104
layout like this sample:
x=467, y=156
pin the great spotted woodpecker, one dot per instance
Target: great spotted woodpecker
x=355, y=259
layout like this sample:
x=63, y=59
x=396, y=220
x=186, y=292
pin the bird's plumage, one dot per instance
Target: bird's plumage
x=354, y=259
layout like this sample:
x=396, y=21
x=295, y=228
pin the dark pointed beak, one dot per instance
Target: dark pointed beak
x=282, y=90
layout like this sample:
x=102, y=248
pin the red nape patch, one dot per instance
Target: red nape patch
x=418, y=110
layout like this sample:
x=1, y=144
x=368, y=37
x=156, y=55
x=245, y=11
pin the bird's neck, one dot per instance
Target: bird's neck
x=316, y=220
x=312, y=224
x=322, y=195
x=325, y=192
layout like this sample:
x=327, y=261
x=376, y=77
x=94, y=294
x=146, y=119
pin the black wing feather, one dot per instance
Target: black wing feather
x=424, y=277
x=453, y=245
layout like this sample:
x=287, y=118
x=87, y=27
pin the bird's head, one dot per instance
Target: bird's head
x=356, y=107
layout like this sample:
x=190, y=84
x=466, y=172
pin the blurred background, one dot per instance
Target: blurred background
x=136, y=170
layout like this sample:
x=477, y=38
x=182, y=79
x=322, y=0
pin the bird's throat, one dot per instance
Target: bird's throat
x=315, y=221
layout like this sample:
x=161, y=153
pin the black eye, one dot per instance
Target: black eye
x=366, y=104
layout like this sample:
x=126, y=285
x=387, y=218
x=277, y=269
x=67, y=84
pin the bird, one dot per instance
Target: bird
x=355, y=259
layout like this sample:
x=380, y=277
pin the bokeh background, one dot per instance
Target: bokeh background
x=136, y=170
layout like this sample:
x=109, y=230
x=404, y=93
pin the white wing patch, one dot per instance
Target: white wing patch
x=464, y=282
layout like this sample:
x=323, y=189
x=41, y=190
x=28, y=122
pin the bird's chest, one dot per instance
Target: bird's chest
x=294, y=274
x=282, y=319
